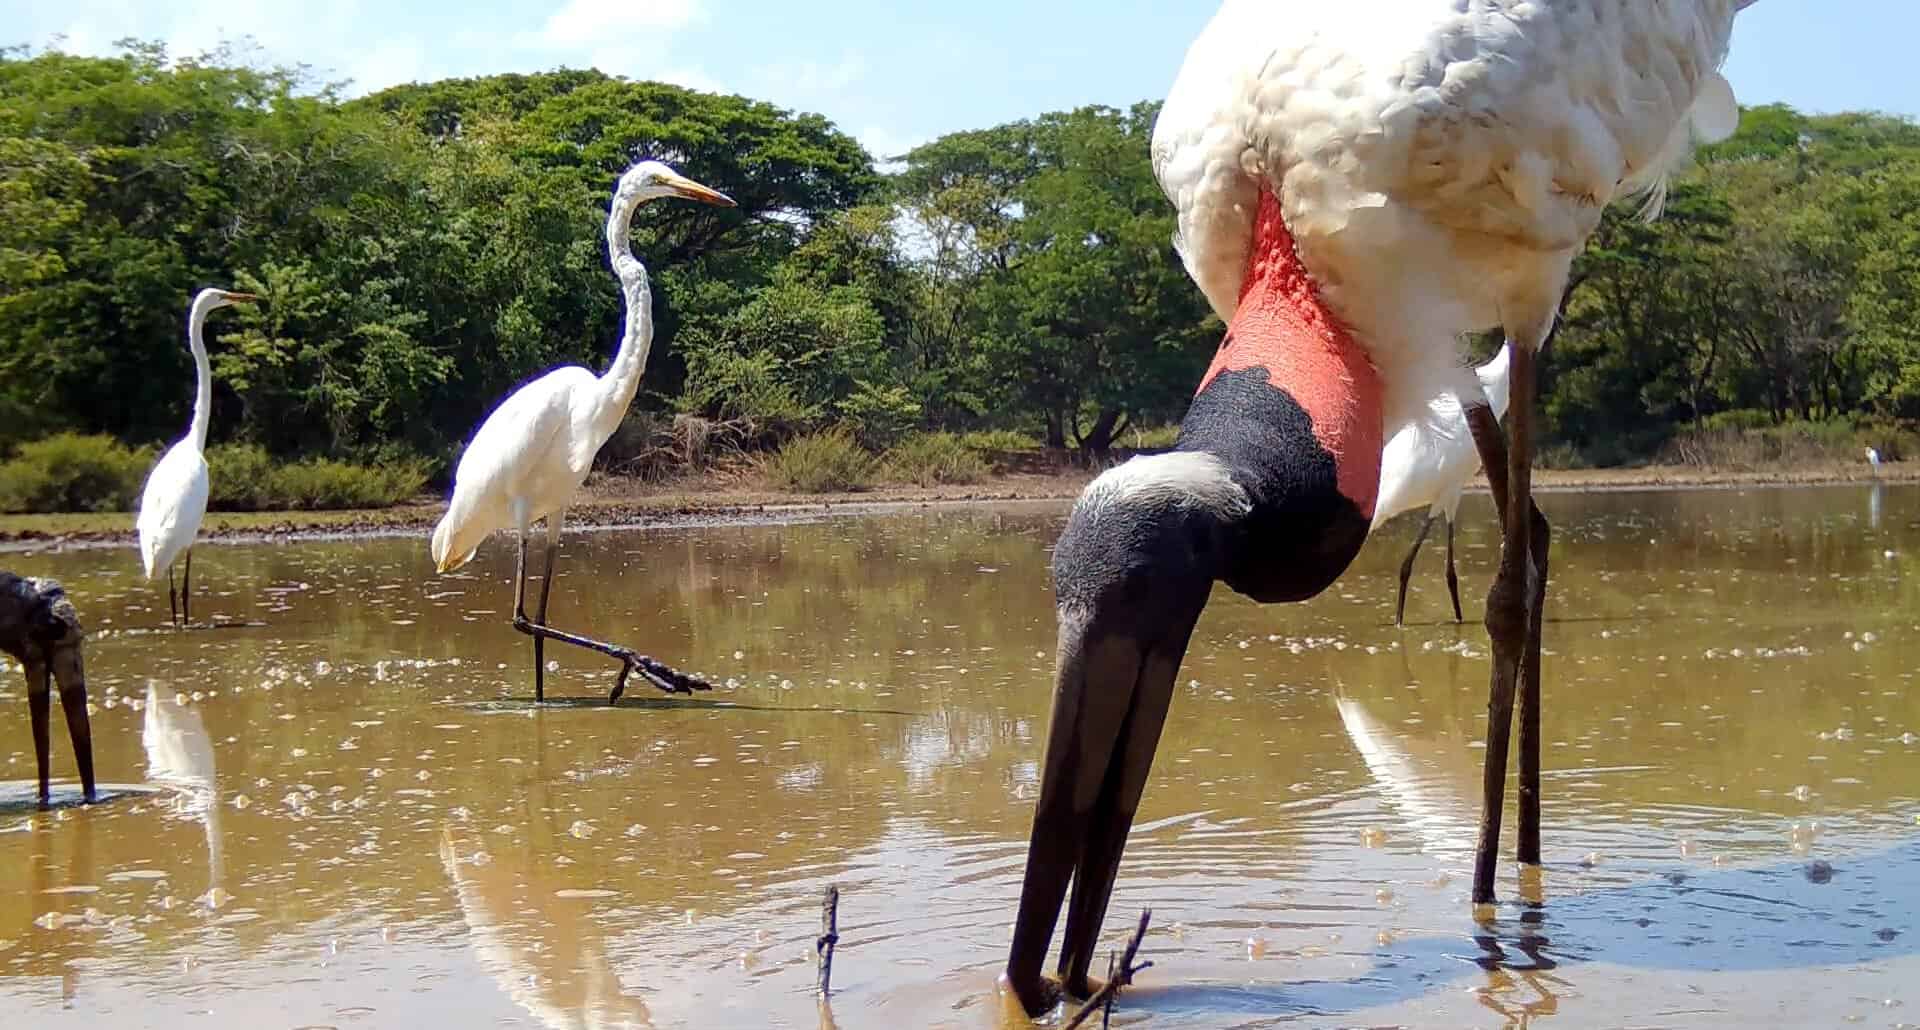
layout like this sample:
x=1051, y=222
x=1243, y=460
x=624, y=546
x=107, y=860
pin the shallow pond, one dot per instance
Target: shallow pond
x=362, y=821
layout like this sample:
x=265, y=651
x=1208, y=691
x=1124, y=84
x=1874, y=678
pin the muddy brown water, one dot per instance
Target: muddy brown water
x=361, y=822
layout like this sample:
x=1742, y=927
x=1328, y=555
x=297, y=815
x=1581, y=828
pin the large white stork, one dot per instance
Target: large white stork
x=1358, y=184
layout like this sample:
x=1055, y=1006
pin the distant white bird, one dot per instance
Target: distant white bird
x=1431, y=465
x=533, y=453
x=1873, y=458
x=1357, y=185
x=175, y=498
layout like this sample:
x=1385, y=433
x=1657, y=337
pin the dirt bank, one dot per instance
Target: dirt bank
x=620, y=502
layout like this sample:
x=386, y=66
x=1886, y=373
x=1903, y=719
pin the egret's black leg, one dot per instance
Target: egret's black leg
x=1406, y=568
x=186, y=592
x=546, y=594
x=1453, y=577
x=524, y=624
x=173, y=600
x=656, y=672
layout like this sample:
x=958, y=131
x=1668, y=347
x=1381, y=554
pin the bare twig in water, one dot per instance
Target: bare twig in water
x=1102, y=999
x=829, y=936
x=1106, y=1012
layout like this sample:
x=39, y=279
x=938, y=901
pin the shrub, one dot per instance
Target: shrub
x=242, y=475
x=72, y=472
x=1795, y=442
x=820, y=463
x=321, y=483
x=1739, y=418
x=931, y=458
x=246, y=478
x=1560, y=455
x=1149, y=438
x=879, y=415
x=993, y=441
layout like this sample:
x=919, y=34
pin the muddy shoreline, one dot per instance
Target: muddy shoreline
x=608, y=504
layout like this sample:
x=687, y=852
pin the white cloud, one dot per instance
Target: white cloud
x=585, y=22
x=884, y=143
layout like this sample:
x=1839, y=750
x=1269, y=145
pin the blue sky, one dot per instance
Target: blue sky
x=891, y=73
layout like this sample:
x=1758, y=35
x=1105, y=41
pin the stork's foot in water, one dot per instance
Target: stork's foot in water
x=1044, y=994
x=654, y=671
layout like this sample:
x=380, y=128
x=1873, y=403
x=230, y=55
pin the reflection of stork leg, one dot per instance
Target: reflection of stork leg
x=1406, y=567
x=654, y=671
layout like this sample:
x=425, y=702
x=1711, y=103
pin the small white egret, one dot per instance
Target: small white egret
x=175, y=498
x=1873, y=458
x=533, y=453
x=1431, y=466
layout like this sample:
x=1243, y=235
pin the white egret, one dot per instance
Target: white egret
x=534, y=451
x=175, y=498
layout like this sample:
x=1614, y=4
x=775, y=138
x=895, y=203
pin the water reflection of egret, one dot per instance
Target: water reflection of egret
x=180, y=755
x=545, y=951
x=1437, y=813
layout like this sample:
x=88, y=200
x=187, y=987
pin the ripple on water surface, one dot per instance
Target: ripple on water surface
x=351, y=813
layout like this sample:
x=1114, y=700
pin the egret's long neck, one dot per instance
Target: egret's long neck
x=202, y=376
x=622, y=377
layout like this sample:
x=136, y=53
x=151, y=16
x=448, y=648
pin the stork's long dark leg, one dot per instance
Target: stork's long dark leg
x=654, y=671
x=40, y=702
x=1406, y=568
x=173, y=600
x=1513, y=621
x=1528, y=846
x=1453, y=577
x=186, y=592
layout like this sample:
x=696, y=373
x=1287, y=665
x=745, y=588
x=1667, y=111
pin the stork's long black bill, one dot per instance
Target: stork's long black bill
x=1117, y=664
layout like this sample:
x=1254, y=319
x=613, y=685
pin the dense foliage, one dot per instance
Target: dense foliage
x=424, y=249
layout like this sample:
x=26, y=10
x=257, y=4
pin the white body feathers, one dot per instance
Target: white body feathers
x=1438, y=162
x=1428, y=465
x=172, y=505
x=529, y=458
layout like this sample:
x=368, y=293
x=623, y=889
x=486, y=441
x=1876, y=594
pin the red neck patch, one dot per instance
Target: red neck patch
x=1282, y=326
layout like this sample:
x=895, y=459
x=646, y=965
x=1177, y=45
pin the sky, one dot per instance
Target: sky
x=893, y=73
